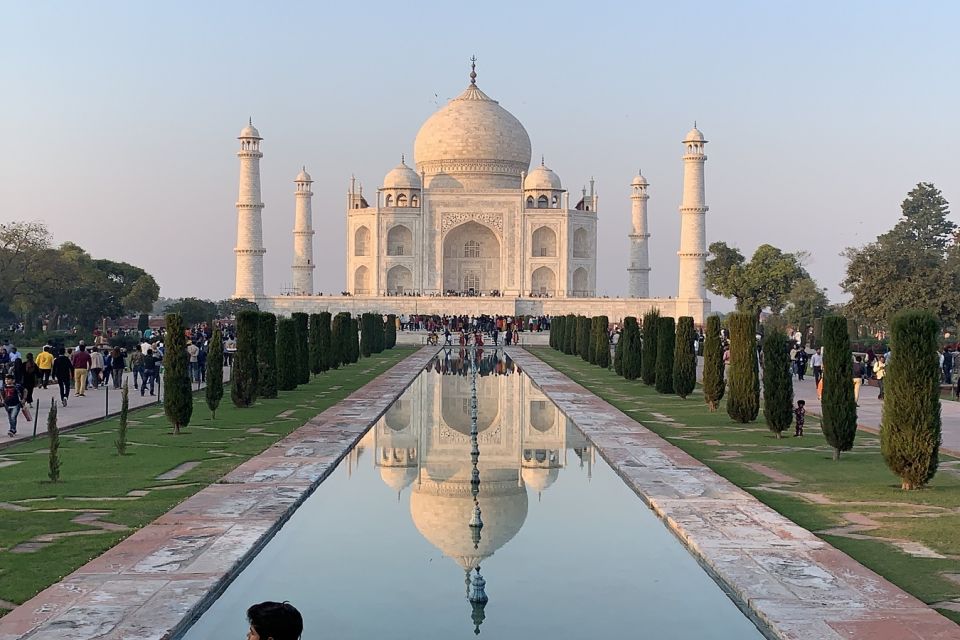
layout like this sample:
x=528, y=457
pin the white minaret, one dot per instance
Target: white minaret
x=303, y=237
x=693, y=209
x=639, y=269
x=249, y=249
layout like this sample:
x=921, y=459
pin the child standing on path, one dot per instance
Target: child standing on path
x=800, y=413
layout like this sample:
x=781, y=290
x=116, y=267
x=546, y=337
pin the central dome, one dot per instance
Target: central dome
x=472, y=142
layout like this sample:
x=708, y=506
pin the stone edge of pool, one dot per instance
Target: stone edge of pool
x=792, y=582
x=155, y=583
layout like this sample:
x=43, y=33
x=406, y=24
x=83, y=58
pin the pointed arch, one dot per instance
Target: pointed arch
x=361, y=241
x=361, y=280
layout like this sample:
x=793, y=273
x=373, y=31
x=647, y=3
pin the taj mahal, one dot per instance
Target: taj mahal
x=470, y=228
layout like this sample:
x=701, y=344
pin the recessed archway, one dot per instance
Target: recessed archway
x=399, y=241
x=543, y=282
x=361, y=280
x=544, y=243
x=399, y=280
x=581, y=283
x=361, y=242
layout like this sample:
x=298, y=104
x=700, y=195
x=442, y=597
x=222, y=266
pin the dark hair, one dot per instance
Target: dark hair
x=277, y=620
x=800, y=403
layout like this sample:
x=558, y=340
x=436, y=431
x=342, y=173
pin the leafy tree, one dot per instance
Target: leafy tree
x=650, y=333
x=684, y=358
x=666, y=344
x=325, y=347
x=838, y=419
x=777, y=382
x=214, y=376
x=602, y=343
x=908, y=266
x=267, y=355
x=121, y=442
x=743, y=403
x=231, y=307
x=366, y=334
x=316, y=355
x=243, y=377
x=193, y=310
x=807, y=302
x=764, y=282
x=632, y=348
x=287, y=354
x=302, y=362
x=391, y=331
x=714, y=383
x=911, y=429
x=178, y=399
x=53, y=434
x=570, y=334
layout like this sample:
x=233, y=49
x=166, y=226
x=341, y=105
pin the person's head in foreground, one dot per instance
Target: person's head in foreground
x=274, y=621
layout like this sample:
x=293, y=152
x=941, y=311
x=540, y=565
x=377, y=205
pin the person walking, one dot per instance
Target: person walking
x=149, y=371
x=30, y=374
x=879, y=372
x=81, y=365
x=858, y=370
x=117, y=365
x=816, y=361
x=45, y=365
x=62, y=374
x=12, y=394
x=96, y=367
x=192, y=354
x=135, y=361
x=801, y=360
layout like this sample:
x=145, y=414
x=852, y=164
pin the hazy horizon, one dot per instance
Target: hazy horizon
x=122, y=119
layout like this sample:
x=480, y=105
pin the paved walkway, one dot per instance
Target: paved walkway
x=795, y=584
x=97, y=404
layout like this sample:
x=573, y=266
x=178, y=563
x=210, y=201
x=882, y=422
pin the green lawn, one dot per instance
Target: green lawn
x=94, y=478
x=820, y=494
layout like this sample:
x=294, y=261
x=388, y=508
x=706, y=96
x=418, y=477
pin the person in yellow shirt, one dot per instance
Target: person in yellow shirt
x=45, y=365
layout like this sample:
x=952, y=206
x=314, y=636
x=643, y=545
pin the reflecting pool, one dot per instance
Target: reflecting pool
x=445, y=524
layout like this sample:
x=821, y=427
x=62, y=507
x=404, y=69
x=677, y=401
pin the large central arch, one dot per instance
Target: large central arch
x=471, y=259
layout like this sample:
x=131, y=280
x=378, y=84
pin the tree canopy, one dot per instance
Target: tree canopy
x=763, y=283
x=914, y=265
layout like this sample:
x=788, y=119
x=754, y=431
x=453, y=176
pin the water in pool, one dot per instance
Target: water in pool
x=385, y=548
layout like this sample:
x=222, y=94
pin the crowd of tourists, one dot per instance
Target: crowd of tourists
x=484, y=323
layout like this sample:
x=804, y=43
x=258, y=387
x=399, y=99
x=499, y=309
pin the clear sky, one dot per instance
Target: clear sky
x=121, y=117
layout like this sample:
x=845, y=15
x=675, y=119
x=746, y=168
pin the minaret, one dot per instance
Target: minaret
x=249, y=249
x=303, y=237
x=693, y=209
x=639, y=269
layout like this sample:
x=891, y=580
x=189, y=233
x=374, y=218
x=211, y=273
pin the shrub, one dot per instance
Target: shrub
x=601, y=350
x=743, y=403
x=632, y=348
x=178, y=399
x=838, y=413
x=267, y=355
x=911, y=429
x=648, y=361
x=777, y=382
x=287, y=373
x=302, y=363
x=666, y=339
x=325, y=347
x=684, y=358
x=214, y=389
x=713, y=381
x=243, y=377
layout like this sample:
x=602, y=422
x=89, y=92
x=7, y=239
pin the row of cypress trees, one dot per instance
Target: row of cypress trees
x=583, y=336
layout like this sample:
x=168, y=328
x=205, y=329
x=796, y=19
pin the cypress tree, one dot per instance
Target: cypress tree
x=556, y=327
x=583, y=337
x=743, y=403
x=632, y=348
x=302, y=331
x=143, y=322
x=314, y=344
x=339, y=342
x=380, y=333
x=325, y=347
x=684, y=359
x=243, y=377
x=390, y=339
x=838, y=413
x=602, y=344
x=366, y=335
x=650, y=332
x=777, y=382
x=666, y=345
x=53, y=434
x=214, y=376
x=354, y=337
x=287, y=374
x=570, y=334
x=911, y=433
x=267, y=355
x=121, y=442
x=592, y=341
x=713, y=381
x=178, y=399
x=618, y=354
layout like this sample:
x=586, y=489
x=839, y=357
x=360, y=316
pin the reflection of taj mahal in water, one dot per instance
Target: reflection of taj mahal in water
x=423, y=442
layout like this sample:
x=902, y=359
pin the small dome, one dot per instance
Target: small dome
x=639, y=181
x=401, y=177
x=694, y=135
x=250, y=131
x=542, y=178
x=303, y=176
x=539, y=479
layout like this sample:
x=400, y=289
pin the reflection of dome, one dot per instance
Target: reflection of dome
x=455, y=403
x=475, y=142
x=442, y=512
x=398, y=415
x=398, y=478
x=401, y=177
x=542, y=178
x=540, y=479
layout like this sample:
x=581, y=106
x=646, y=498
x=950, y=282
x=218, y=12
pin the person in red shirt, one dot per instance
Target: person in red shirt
x=81, y=363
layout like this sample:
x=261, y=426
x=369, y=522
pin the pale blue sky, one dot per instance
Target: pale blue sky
x=121, y=117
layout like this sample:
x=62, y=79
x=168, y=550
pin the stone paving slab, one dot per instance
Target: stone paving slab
x=796, y=585
x=154, y=583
